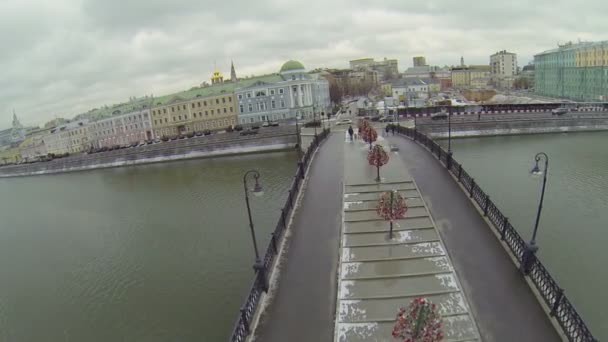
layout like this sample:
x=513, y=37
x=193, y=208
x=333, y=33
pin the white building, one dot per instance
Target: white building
x=69, y=138
x=503, y=68
x=122, y=129
x=294, y=93
x=406, y=90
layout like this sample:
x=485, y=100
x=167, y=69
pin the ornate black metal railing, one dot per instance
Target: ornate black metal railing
x=561, y=308
x=242, y=326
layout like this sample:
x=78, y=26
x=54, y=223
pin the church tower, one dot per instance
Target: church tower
x=462, y=61
x=232, y=72
x=17, y=132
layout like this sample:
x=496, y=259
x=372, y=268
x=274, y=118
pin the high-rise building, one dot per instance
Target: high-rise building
x=503, y=66
x=577, y=71
x=386, y=68
x=419, y=61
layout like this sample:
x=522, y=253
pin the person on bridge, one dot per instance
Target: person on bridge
x=393, y=129
x=386, y=130
x=350, y=132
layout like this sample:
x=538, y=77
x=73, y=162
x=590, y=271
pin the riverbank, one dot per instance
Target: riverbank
x=270, y=140
x=514, y=127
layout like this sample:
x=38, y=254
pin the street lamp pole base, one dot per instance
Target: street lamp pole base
x=261, y=273
x=528, y=258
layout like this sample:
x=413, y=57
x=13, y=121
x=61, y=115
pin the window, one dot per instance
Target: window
x=248, y=95
x=223, y=100
x=206, y=113
x=180, y=117
x=273, y=104
x=212, y=112
x=174, y=118
x=184, y=107
x=281, y=91
x=192, y=104
x=260, y=93
x=240, y=108
x=271, y=91
x=293, y=77
x=250, y=107
x=185, y=116
x=153, y=112
x=204, y=103
x=282, y=103
x=217, y=101
x=240, y=96
x=230, y=99
x=172, y=110
x=224, y=110
x=194, y=115
x=230, y=109
x=199, y=105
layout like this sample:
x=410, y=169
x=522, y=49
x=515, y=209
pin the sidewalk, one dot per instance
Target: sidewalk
x=379, y=275
x=304, y=305
x=503, y=304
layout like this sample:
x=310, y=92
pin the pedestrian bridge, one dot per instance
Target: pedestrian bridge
x=339, y=276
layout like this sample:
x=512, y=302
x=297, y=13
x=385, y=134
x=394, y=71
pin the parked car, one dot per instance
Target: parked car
x=274, y=123
x=559, y=111
x=199, y=133
x=248, y=132
x=266, y=124
x=439, y=116
x=255, y=126
x=238, y=128
x=229, y=129
x=344, y=122
x=206, y=132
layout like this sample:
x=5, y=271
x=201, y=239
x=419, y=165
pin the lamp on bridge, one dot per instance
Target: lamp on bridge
x=256, y=191
x=531, y=247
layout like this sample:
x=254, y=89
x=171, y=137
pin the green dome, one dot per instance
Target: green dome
x=292, y=65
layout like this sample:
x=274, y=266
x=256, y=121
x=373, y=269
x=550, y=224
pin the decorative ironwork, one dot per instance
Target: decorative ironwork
x=242, y=325
x=562, y=309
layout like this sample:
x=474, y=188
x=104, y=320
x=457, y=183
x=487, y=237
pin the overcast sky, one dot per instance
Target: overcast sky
x=63, y=57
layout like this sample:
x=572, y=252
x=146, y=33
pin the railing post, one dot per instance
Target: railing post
x=472, y=187
x=273, y=242
x=244, y=319
x=283, y=218
x=485, y=207
x=448, y=163
x=459, y=172
x=301, y=166
x=558, y=300
x=260, y=269
x=505, y=222
x=290, y=200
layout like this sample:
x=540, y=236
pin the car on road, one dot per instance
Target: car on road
x=559, y=111
x=274, y=123
x=439, y=116
x=266, y=124
x=255, y=126
x=238, y=128
x=344, y=122
x=206, y=132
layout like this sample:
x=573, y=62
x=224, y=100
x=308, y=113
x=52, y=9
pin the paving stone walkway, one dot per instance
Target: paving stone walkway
x=378, y=275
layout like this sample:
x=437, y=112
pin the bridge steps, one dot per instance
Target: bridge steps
x=378, y=275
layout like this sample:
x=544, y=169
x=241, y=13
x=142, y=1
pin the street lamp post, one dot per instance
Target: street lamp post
x=531, y=247
x=259, y=265
x=450, y=130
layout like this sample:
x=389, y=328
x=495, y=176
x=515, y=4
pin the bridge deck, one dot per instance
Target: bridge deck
x=379, y=275
x=502, y=303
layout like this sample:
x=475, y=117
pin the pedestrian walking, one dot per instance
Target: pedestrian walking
x=393, y=129
x=350, y=132
x=386, y=130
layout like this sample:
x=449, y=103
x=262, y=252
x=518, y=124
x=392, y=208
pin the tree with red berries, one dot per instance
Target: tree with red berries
x=419, y=322
x=391, y=206
x=377, y=157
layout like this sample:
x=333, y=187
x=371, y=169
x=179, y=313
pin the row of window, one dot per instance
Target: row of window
x=261, y=106
x=260, y=93
x=194, y=115
x=194, y=105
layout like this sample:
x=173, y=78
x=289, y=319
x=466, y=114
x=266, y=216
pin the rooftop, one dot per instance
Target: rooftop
x=575, y=46
x=292, y=65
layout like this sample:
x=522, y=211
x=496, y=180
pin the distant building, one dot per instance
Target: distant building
x=527, y=73
x=405, y=91
x=387, y=68
x=503, y=66
x=294, y=93
x=69, y=138
x=419, y=61
x=123, y=129
x=423, y=71
x=232, y=73
x=577, y=71
x=475, y=76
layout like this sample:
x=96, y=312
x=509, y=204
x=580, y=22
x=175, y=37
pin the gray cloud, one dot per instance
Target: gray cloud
x=64, y=57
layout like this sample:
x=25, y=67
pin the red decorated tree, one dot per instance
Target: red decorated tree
x=369, y=135
x=419, y=322
x=391, y=206
x=377, y=157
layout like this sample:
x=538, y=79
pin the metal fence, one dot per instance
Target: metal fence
x=561, y=308
x=248, y=309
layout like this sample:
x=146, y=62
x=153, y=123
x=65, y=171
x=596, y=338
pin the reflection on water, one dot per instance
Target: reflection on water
x=572, y=234
x=145, y=253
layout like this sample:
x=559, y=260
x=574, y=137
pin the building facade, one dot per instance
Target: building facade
x=386, y=68
x=577, y=71
x=72, y=137
x=296, y=94
x=181, y=116
x=121, y=130
x=503, y=67
x=419, y=61
x=475, y=76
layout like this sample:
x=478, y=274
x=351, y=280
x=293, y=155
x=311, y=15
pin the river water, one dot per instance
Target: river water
x=573, y=228
x=159, y=252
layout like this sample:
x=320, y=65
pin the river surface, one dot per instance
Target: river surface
x=573, y=230
x=159, y=252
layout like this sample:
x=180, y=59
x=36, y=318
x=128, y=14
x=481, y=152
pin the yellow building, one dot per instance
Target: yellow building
x=179, y=116
x=434, y=87
x=476, y=76
x=387, y=88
